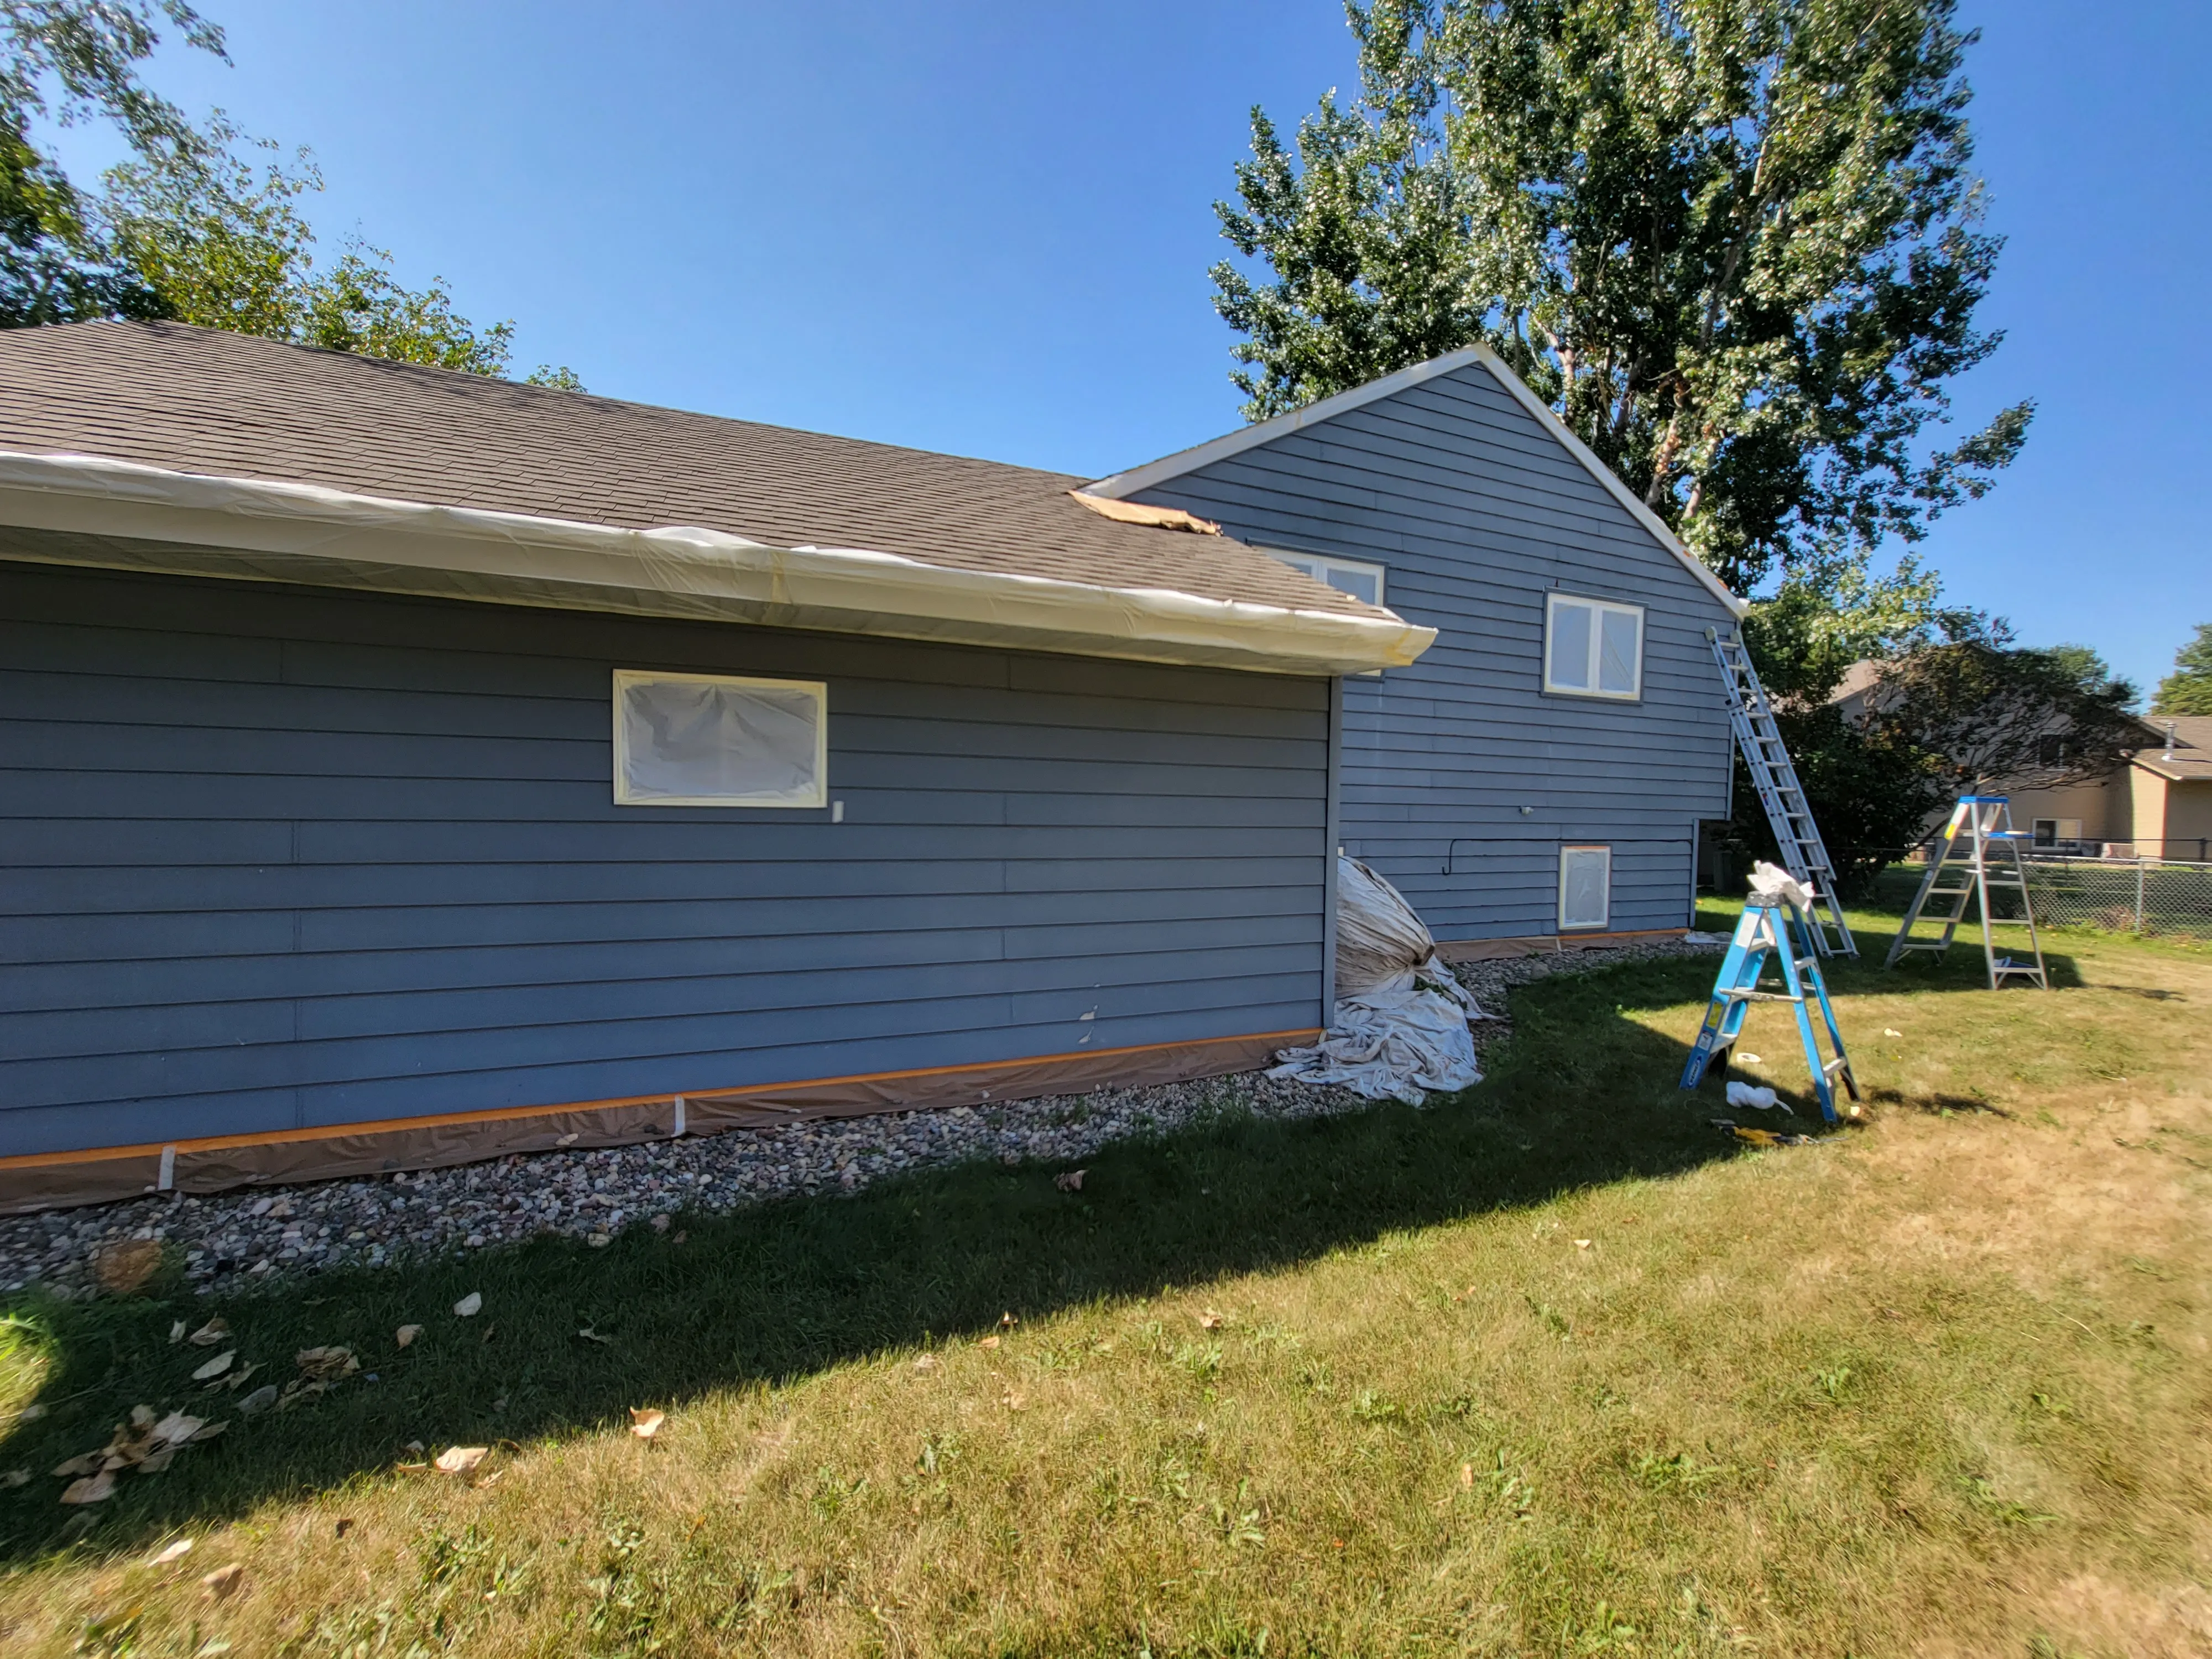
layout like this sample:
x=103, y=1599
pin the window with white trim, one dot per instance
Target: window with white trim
x=1363, y=582
x=720, y=740
x=1585, y=887
x=1593, y=648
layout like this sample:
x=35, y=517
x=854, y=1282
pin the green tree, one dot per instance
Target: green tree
x=194, y=225
x=2188, y=689
x=1735, y=244
x=68, y=61
x=220, y=240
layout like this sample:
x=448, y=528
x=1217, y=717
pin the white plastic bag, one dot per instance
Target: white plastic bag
x=1401, y=1016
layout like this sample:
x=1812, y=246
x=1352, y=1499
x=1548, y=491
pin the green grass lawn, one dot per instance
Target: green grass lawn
x=1554, y=1367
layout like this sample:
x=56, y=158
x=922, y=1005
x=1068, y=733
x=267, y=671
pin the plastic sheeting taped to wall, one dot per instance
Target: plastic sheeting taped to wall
x=708, y=740
x=1400, y=1028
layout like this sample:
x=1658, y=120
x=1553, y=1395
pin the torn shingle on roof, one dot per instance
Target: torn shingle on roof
x=230, y=405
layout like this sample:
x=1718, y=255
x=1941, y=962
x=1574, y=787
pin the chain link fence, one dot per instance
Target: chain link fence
x=2122, y=895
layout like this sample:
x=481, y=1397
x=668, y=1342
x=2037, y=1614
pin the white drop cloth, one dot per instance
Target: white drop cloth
x=1402, y=1018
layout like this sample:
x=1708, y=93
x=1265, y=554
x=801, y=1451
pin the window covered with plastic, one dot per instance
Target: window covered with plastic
x=709, y=740
x=1586, y=886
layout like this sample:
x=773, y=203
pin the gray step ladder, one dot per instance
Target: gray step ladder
x=1979, y=854
x=1804, y=854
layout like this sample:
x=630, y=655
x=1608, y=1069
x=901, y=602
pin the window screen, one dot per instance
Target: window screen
x=1592, y=648
x=1586, y=886
x=705, y=740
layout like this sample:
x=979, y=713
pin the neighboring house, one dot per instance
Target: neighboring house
x=1541, y=771
x=404, y=765
x=2156, y=803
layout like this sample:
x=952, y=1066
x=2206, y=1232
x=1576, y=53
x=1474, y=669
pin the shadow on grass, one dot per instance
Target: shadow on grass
x=1579, y=1095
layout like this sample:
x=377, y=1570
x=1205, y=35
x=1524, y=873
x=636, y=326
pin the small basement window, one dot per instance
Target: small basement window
x=1585, y=887
x=1363, y=582
x=1593, y=648
x=2048, y=832
x=712, y=740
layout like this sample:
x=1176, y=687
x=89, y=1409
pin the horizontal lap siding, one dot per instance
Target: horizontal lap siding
x=1476, y=512
x=273, y=858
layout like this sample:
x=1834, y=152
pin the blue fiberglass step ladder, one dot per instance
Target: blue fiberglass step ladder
x=1774, y=926
x=1980, y=854
x=1766, y=757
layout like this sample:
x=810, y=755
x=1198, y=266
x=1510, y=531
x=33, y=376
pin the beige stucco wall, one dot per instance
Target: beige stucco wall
x=2188, y=816
x=2101, y=806
x=2148, y=790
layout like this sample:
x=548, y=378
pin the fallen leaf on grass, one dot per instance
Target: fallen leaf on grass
x=406, y=1334
x=177, y=1428
x=87, y=1464
x=259, y=1400
x=11, y=1478
x=236, y=1380
x=215, y=1367
x=459, y=1459
x=1013, y=1402
x=1210, y=1319
x=591, y=1335
x=1582, y=1243
x=345, y=1525
x=599, y=1241
x=645, y=1422
x=93, y=1489
x=660, y=1223
x=210, y=1334
x=1751, y=1060
x=470, y=1306
x=1072, y=1181
x=1887, y=1031
x=326, y=1364
x=989, y=1342
x=924, y=1363
x=1466, y=1474
x=169, y=1553
x=176, y=1333
x=225, y=1581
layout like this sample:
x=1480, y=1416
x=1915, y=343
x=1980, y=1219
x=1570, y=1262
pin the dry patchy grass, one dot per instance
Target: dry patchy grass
x=1936, y=1386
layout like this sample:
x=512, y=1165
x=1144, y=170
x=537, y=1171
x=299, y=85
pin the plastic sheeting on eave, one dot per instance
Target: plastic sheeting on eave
x=121, y=515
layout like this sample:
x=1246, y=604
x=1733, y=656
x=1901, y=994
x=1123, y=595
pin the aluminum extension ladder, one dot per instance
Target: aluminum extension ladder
x=1978, y=825
x=1804, y=854
x=1773, y=926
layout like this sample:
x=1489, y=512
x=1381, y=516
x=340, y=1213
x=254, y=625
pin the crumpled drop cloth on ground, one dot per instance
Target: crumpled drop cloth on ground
x=1401, y=1016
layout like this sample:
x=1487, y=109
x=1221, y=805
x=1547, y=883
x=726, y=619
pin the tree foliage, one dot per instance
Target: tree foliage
x=200, y=224
x=68, y=61
x=1988, y=715
x=2188, y=689
x=1735, y=244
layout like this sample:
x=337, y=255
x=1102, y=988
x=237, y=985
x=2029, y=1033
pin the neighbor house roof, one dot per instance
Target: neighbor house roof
x=436, y=453
x=2188, y=757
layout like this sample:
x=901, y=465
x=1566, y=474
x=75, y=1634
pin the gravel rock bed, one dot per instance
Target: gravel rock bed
x=232, y=1240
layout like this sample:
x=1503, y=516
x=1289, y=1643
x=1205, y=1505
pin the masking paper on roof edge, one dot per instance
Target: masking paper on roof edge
x=121, y=515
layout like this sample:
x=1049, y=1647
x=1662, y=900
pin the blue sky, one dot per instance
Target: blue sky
x=984, y=229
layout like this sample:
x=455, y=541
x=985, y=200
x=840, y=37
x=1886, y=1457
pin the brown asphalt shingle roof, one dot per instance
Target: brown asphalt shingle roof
x=2191, y=751
x=202, y=400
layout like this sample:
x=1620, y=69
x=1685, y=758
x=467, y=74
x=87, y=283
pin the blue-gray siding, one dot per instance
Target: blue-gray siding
x=1476, y=512
x=273, y=858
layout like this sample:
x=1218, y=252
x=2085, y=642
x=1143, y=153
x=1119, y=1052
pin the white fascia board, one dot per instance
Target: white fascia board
x=1153, y=474
x=121, y=515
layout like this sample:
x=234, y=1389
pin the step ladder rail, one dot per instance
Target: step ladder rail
x=1773, y=926
x=1981, y=848
x=1781, y=793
